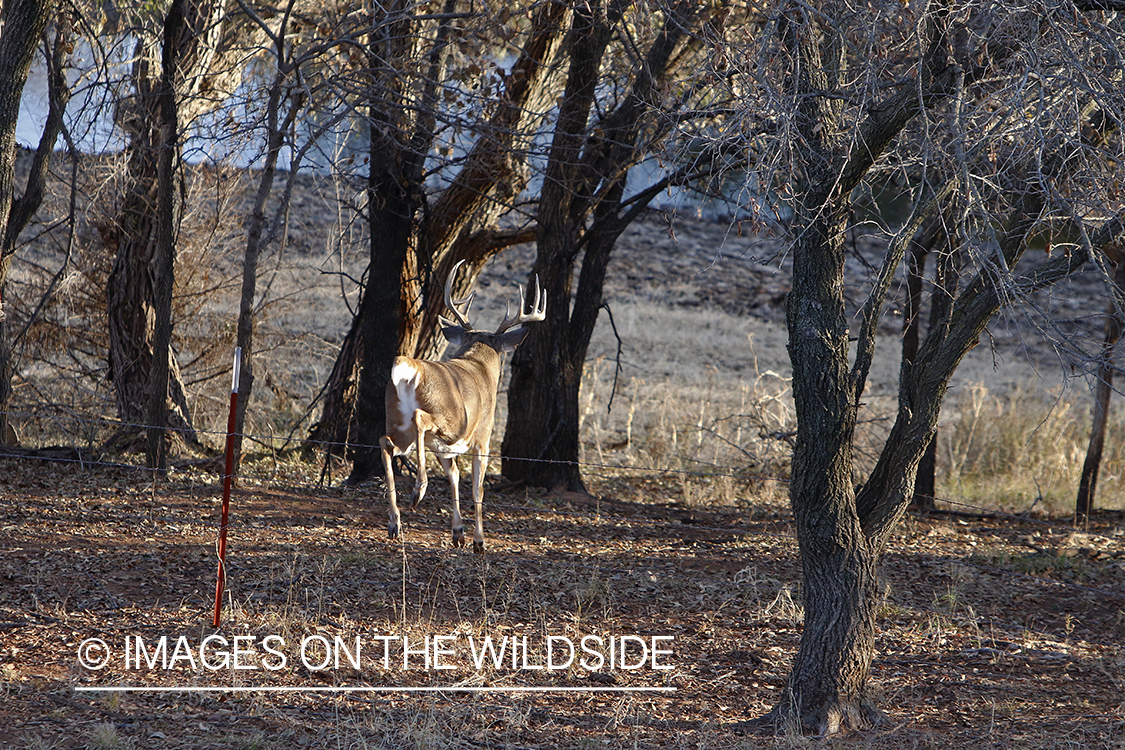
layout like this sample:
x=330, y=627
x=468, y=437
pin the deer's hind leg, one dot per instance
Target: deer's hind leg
x=480, y=464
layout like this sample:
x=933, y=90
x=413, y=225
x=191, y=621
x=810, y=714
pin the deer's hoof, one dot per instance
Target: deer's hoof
x=478, y=548
x=415, y=500
x=458, y=537
x=392, y=531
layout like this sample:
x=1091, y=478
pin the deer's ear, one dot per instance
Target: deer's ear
x=511, y=339
x=454, y=334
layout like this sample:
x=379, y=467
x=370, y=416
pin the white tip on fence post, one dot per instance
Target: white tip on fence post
x=237, y=369
x=228, y=477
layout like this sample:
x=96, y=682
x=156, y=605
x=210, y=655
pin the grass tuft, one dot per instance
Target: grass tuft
x=1023, y=450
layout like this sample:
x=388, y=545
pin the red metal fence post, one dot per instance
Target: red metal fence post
x=228, y=477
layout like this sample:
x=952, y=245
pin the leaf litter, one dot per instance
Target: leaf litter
x=993, y=631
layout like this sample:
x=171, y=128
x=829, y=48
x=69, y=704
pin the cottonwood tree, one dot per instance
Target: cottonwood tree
x=204, y=78
x=434, y=104
x=22, y=25
x=1002, y=118
x=630, y=85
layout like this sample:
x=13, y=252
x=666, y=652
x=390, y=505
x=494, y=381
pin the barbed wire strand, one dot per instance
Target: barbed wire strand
x=268, y=439
x=714, y=472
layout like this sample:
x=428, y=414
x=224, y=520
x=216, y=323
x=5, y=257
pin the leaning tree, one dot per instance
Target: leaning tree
x=631, y=92
x=1000, y=120
x=447, y=130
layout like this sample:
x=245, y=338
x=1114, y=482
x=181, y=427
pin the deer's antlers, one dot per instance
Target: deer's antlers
x=538, y=310
x=450, y=303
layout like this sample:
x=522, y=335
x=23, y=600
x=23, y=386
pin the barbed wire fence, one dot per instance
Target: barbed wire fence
x=88, y=459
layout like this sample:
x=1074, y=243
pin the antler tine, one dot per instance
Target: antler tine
x=451, y=303
x=538, y=310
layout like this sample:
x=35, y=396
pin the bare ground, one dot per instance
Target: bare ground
x=995, y=632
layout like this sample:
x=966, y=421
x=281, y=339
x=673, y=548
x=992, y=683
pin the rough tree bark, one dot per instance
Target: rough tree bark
x=1103, y=392
x=23, y=25
x=540, y=426
x=843, y=532
x=132, y=235
x=826, y=690
x=582, y=212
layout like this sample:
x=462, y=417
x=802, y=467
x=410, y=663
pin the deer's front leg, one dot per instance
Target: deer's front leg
x=422, y=423
x=394, y=525
x=454, y=476
x=479, y=463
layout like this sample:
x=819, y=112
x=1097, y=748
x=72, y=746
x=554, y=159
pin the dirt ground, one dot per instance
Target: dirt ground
x=995, y=631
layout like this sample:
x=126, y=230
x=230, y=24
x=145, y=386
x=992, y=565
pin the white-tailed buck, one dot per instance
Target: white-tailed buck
x=449, y=406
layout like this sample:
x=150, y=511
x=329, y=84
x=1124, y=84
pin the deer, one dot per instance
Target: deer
x=449, y=406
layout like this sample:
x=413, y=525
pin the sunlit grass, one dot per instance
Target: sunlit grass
x=1023, y=450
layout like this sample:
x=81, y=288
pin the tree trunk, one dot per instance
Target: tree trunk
x=458, y=227
x=1103, y=392
x=354, y=410
x=276, y=129
x=826, y=691
x=842, y=532
x=8, y=435
x=354, y=413
x=23, y=24
x=131, y=299
x=133, y=237
x=916, y=274
x=581, y=211
x=925, y=486
x=945, y=281
x=165, y=252
x=542, y=449
x=827, y=686
x=541, y=438
x=384, y=320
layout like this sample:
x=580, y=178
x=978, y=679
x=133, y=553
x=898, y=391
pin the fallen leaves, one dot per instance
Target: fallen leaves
x=978, y=637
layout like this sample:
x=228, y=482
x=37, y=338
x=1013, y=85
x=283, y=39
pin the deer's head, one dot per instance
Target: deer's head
x=461, y=334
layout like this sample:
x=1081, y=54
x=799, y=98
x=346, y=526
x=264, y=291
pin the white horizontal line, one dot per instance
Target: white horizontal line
x=362, y=689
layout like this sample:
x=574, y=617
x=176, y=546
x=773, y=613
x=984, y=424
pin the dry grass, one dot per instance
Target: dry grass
x=987, y=625
x=1017, y=447
x=104, y=553
x=1023, y=449
x=700, y=387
